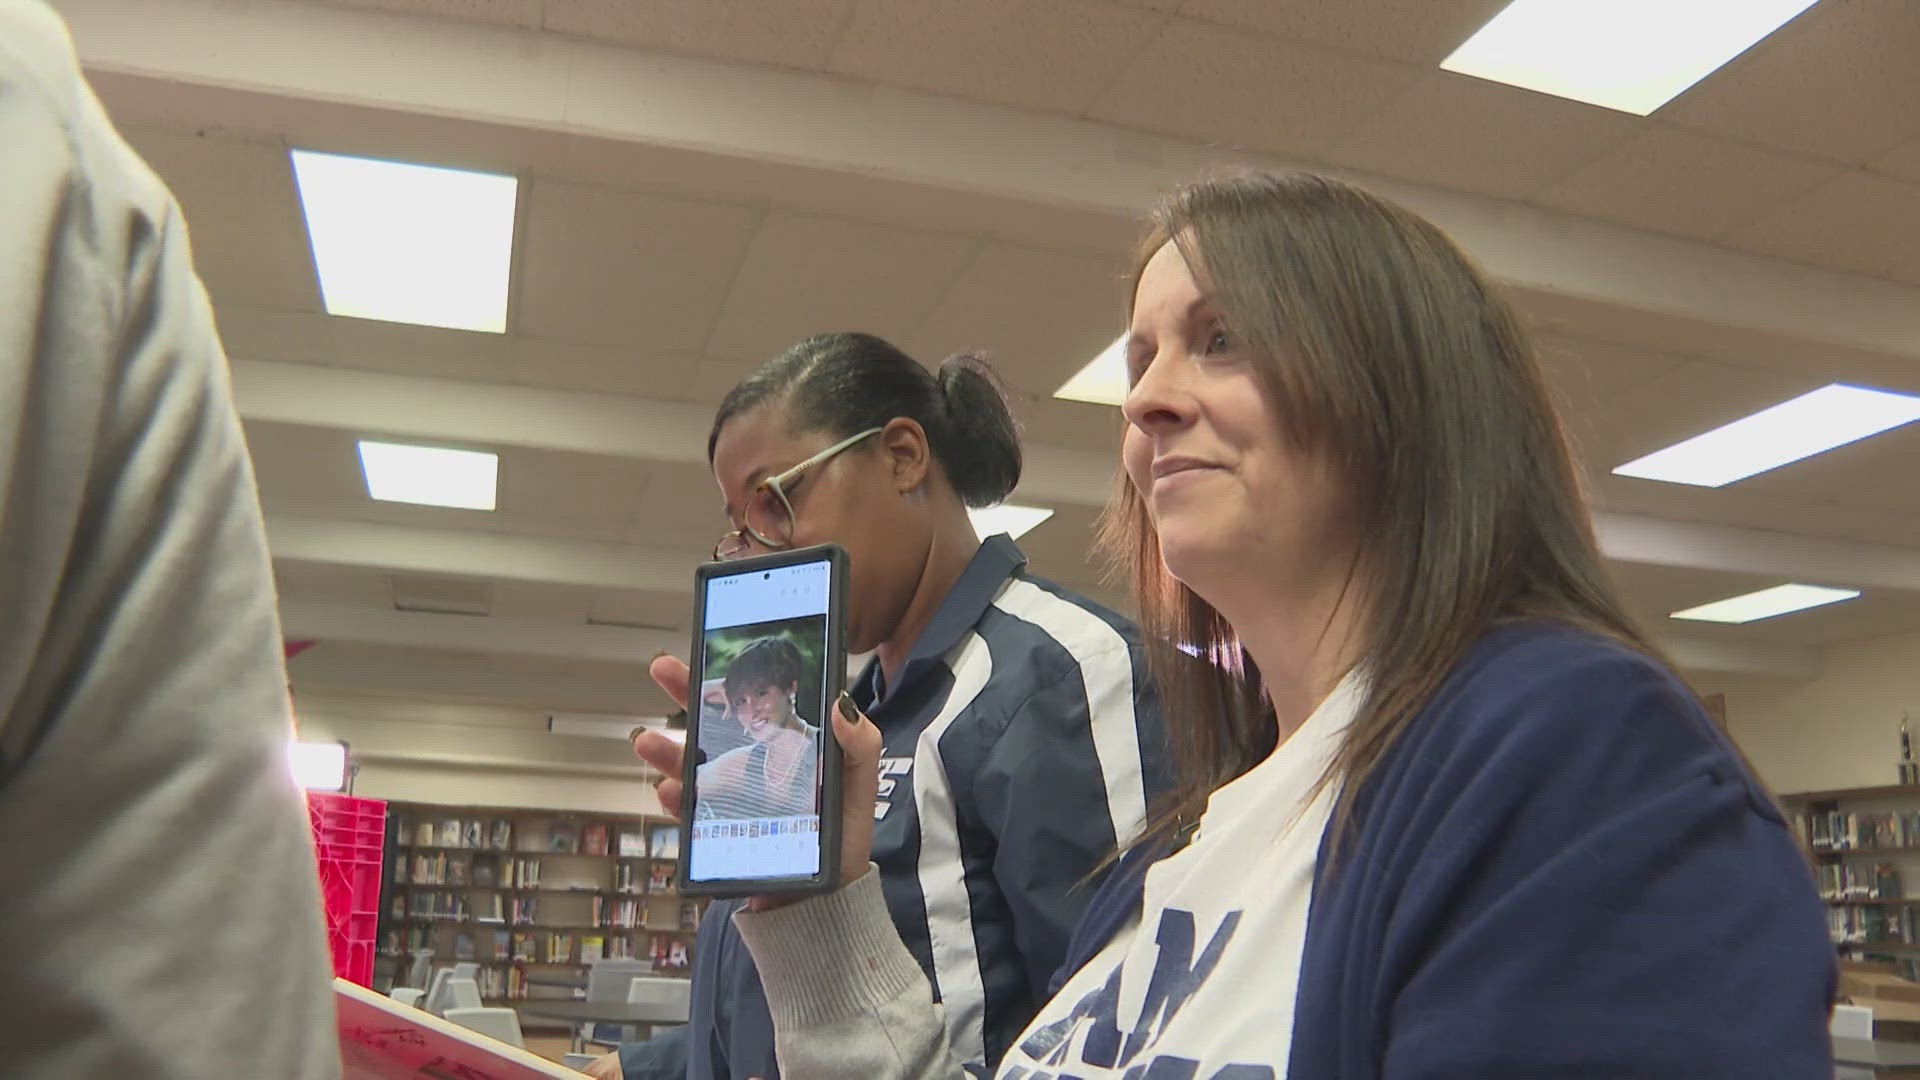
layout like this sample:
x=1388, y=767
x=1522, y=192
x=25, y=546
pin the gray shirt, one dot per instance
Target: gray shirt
x=161, y=914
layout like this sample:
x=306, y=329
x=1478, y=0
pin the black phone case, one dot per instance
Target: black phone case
x=831, y=798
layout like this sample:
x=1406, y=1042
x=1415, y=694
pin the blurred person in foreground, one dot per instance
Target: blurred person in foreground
x=162, y=915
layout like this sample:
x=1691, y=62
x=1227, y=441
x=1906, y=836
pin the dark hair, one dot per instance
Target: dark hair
x=1383, y=348
x=843, y=384
x=767, y=661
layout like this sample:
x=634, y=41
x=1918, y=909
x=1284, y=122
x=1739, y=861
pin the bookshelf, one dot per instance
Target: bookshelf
x=1865, y=846
x=530, y=895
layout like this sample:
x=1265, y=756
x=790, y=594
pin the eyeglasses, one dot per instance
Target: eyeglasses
x=768, y=517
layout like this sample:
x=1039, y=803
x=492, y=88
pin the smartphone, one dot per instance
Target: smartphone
x=760, y=808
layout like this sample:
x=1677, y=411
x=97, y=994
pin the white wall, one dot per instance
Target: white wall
x=477, y=755
x=1839, y=730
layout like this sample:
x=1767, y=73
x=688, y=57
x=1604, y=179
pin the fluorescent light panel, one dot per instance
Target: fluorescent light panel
x=318, y=766
x=1630, y=55
x=1103, y=381
x=409, y=243
x=430, y=475
x=1010, y=518
x=1765, y=604
x=1810, y=424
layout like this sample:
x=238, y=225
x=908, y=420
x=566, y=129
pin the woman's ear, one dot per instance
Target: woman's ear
x=908, y=453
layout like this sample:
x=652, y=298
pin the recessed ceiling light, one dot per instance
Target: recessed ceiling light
x=1630, y=55
x=1810, y=424
x=1010, y=518
x=409, y=243
x=430, y=475
x=318, y=766
x=1766, y=603
x=1103, y=381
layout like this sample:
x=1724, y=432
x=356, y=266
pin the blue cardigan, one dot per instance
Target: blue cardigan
x=1562, y=869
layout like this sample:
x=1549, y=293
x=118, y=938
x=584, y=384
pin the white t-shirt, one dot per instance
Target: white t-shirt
x=1209, y=973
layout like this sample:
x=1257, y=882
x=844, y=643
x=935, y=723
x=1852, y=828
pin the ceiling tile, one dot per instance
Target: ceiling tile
x=423, y=350
x=712, y=379
x=1680, y=182
x=1585, y=373
x=537, y=602
x=1422, y=33
x=1857, y=221
x=656, y=611
x=524, y=13
x=1480, y=136
x=1902, y=161
x=684, y=510
x=295, y=337
x=796, y=33
x=622, y=268
x=243, y=217
x=602, y=368
x=331, y=584
x=1694, y=397
x=1042, y=54
x=806, y=275
x=1211, y=82
x=569, y=488
x=1838, y=82
x=1039, y=316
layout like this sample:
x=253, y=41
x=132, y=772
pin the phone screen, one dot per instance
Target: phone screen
x=764, y=658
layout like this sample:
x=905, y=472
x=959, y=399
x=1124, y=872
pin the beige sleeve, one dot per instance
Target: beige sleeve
x=161, y=916
x=848, y=999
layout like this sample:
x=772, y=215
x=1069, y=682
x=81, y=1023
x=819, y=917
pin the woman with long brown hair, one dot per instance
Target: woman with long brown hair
x=1444, y=810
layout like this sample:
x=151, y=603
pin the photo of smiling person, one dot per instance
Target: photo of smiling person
x=773, y=771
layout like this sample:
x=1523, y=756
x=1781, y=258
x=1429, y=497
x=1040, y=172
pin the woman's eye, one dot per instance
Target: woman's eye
x=1217, y=341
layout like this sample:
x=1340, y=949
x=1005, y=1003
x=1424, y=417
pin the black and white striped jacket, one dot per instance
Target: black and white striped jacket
x=1023, y=744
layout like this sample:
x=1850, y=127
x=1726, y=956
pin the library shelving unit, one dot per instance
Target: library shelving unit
x=530, y=895
x=1865, y=845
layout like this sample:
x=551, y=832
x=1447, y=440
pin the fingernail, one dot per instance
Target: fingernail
x=849, y=709
x=657, y=654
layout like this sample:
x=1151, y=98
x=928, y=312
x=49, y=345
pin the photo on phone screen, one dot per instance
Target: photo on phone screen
x=766, y=656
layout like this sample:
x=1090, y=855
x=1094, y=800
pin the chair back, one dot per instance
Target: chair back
x=607, y=979
x=662, y=990
x=501, y=1024
x=464, y=994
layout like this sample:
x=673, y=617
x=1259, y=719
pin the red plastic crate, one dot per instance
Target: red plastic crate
x=349, y=835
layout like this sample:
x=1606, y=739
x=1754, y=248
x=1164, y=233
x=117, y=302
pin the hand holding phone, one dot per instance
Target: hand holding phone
x=860, y=747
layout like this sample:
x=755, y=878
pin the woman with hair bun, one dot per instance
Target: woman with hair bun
x=1014, y=713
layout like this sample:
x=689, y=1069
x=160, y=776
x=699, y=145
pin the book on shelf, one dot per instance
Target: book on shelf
x=525, y=946
x=502, y=946
x=689, y=915
x=492, y=909
x=620, y=947
x=592, y=947
x=664, y=842
x=660, y=877
x=593, y=839
x=500, y=836
x=471, y=834
x=463, y=946
x=1835, y=830
x=563, y=840
x=450, y=833
x=423, y=834
x=398, y=873
x=457, y=867
x=629, y=878
x=557, y=947
x=486, y=871
x=525, y=874
x=633, y=844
